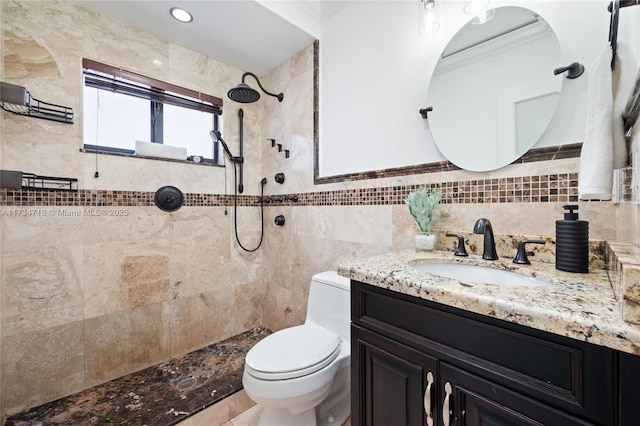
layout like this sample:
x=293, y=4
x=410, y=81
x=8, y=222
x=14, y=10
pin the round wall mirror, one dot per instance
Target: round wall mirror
x=493, y=90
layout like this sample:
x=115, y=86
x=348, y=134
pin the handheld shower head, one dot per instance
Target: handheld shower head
x=217, y=137
x=245, y=94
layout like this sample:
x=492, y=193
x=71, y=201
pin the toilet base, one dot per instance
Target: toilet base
x=334, y=409
x=283, y=417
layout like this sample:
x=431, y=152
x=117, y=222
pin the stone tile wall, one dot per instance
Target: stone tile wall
x=93, y=298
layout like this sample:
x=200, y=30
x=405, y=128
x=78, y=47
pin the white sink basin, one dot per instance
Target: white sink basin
x=479, y=274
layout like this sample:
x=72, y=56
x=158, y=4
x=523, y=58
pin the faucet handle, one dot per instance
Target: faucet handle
x=521, y=254
x=460, y=249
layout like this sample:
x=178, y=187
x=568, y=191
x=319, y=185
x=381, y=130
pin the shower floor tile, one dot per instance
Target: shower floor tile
x=160, y=395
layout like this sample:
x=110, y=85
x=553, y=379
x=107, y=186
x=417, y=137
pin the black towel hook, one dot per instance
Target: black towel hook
x=575, y=70
x=424, y=112
x=614, y=8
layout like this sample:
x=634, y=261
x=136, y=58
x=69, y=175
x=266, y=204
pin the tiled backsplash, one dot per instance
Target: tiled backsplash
x=624, y=274
x=506, y=245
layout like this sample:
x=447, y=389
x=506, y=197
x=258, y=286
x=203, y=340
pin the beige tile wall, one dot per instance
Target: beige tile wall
x=86, y=299
x=92, y=298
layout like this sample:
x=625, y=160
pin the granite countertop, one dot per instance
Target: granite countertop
x=579, y=306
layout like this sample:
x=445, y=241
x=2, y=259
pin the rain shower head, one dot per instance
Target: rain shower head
x=245, y=94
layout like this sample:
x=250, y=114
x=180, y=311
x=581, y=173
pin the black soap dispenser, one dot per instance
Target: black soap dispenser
x=572, y=242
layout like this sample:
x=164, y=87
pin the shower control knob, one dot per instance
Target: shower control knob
x=279, y=220
x=168, y=198
x=279, y=177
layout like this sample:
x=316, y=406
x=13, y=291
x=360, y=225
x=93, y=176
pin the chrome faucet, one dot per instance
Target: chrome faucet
x=483, y=226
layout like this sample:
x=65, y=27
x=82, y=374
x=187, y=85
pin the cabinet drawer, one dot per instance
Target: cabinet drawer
x=547, y=367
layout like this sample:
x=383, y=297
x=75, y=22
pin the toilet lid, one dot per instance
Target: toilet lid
x=293, y=352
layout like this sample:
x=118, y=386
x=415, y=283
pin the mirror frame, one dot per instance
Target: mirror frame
x=537, y=154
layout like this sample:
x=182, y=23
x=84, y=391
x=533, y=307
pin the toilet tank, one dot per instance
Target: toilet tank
x=329, y=303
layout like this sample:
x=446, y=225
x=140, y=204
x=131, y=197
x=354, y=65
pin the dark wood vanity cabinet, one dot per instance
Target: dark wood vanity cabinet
x=416, y=362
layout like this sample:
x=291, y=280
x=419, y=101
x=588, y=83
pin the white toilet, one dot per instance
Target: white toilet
x=301, y=375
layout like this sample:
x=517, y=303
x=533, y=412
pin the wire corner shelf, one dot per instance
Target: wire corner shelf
x=18, y=100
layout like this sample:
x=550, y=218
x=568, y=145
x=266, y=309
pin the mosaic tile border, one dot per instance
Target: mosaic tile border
x=561, y=187
x=533, y=155
x=627, y=190
x=109, y=198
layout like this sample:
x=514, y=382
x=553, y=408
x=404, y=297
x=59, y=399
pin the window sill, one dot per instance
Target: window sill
x=131, y=154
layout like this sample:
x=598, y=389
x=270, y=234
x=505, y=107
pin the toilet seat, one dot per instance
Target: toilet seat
x=293, y=352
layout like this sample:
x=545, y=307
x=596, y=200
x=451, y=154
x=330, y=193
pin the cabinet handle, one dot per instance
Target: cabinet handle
x=446, y=413
x=427, y=399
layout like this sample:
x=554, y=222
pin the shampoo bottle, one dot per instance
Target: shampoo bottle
x=572, y=242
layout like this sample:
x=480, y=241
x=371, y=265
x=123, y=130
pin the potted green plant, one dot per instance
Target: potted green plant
x=421, y=204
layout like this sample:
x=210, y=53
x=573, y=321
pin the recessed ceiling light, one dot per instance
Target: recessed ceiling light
x=181, y=14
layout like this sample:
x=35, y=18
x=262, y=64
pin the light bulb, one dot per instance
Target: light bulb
x=427, y=23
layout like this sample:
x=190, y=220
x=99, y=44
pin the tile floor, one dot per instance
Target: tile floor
x=216, y=415
x=250, y=418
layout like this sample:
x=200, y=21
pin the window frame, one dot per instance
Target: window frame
x=114, y=79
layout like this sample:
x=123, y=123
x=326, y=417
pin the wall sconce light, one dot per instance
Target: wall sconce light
x=427, y=23
x=479, y=9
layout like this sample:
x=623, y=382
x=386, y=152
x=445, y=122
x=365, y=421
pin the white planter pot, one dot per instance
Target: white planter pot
x=425, y=242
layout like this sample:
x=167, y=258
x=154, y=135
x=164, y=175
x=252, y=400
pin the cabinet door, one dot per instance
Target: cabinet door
x=392, y=384
x=472, y=401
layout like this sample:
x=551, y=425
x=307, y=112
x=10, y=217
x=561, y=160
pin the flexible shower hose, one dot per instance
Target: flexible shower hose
x=235, y=211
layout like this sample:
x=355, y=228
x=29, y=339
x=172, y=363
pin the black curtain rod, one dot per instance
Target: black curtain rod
x=624, y=3
x=614, y=10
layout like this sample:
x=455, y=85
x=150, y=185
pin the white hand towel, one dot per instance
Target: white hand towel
x=604, y=147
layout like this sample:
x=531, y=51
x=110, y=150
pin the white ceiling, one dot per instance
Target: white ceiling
x=249, y=35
